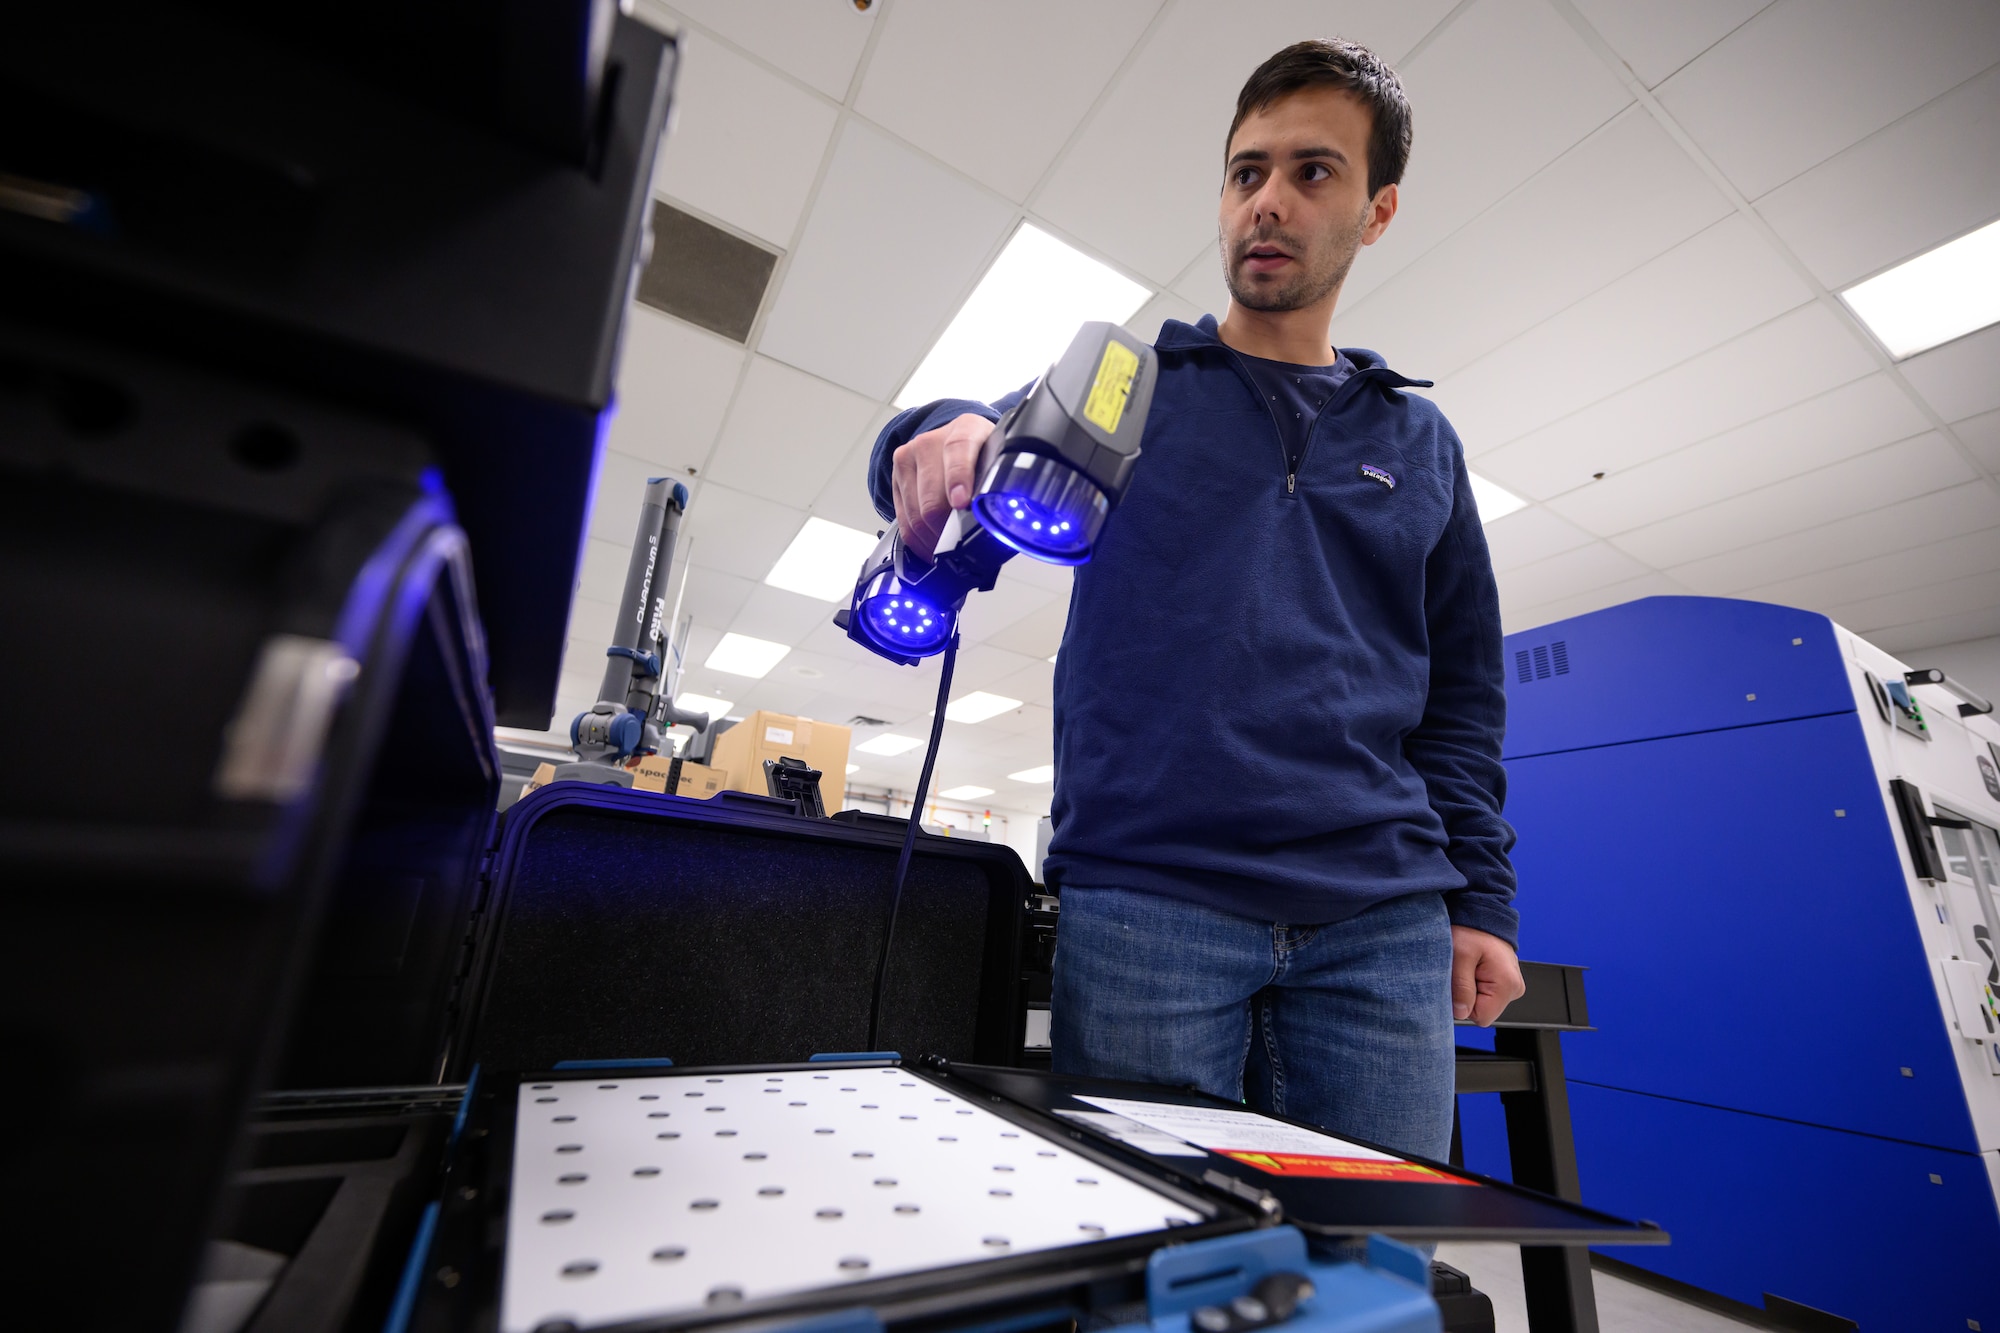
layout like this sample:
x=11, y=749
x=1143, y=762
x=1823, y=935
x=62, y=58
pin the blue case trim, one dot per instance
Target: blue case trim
x=825, y=1056
x=1405, y=1261
x=413, y=1273
x=1181, y=1277
x=1388, y=1293
x=464, y=1109
x=859, y=1319
x=638, y=1062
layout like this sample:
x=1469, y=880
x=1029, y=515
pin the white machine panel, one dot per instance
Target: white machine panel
x=647, y=1196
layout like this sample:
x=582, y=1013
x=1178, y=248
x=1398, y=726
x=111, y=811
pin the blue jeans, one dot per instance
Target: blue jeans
x=1347, y=1026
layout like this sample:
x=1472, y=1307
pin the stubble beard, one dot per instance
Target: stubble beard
x=1310, y=286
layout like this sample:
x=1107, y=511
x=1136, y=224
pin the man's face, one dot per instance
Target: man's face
x=1295, y=202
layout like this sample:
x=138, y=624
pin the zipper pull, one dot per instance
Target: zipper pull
x=1291, y=480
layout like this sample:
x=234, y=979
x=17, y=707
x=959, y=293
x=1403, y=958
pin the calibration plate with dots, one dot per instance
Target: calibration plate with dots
x=653, y=1195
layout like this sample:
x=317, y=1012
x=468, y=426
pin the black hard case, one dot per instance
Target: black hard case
x=593, y=923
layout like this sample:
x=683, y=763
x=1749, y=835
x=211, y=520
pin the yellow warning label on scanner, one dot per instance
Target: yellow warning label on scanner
x=1106, y=405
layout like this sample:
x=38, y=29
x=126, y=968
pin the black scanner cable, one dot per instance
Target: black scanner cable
x=910, y=841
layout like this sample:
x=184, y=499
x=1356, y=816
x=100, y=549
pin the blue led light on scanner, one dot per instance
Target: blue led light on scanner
x=1042, y=507
x=907, y=621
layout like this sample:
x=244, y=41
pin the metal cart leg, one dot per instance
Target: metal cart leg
x=1556, y=1278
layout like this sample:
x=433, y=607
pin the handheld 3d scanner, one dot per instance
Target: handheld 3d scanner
x=1049, y=475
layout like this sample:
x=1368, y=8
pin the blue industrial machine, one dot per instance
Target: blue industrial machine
x=1775, y=845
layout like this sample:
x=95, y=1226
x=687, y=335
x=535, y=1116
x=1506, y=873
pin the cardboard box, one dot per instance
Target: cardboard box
x=696, y=780
x=763, y=735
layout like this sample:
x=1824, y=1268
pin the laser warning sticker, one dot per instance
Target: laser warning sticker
x=1105, y=407
x=1271, y=1145
x=1343, y=1168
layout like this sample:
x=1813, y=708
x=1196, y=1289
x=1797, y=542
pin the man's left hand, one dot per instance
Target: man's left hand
x=1485, y=975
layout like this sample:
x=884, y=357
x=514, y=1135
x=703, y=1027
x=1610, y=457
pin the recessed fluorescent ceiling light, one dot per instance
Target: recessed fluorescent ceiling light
x=1054, y=655
x=741, y=655
x=1019, y=319
x=1493, y=501
x=852, y=769
x=1043, y=773
x=966, y=793
x=978, y=706
x=702, y=703
x=889, y=743
x=821, y=561
x=1943, y=294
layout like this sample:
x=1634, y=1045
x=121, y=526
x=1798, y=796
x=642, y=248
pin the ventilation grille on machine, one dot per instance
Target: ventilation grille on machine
x=1541, y=661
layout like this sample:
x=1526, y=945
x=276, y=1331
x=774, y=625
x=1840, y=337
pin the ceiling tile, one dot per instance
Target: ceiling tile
x=893, y=245
x=1139, y=182
x=988, y=613
x=1925, y=603
x=1884, y=476
x=782, y=694
x=916, y=83
x=1928, y=178
x=1877, y=532
x=1850, y=420
x=1593, y=599
x=816, y=41
x=601, y=573
x=980, y=665
x=621, y=487
x=1886, y=576
x=1981, y=434
x=694, y=651
x=1054, y=578
x=1656, y=39
x=1531, y=534
x=1201, y=282
x=674, y=384
x=1035, y=685
x=745, y=145
x=1502, y=92
x=1597, y=565
x=844, y=499
x=576, y=691
x=1782, y=362
x=1625, y=195
x=787, y=433
x=779, y=616
x=713, y=598
x=1163, y=307
x=1959, y=379
x=737, y=533
x=1806, y=78
x=1722, y=283
x=829, y=675
x=1037, y=634
x=590, y=619
x=1960, y=628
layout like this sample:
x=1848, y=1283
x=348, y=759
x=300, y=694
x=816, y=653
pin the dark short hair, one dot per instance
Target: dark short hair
x=1352, y=68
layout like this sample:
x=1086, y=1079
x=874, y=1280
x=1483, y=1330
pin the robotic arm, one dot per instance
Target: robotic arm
x=634, y=708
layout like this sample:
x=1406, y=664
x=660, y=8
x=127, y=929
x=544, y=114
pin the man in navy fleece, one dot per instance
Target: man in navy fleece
x=1294, y=601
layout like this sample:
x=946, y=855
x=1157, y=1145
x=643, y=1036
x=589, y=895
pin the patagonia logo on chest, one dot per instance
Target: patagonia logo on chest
x=1373, y=473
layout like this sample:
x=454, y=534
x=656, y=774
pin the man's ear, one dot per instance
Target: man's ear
x=1382, y=211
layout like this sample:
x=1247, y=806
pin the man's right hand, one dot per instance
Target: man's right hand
x=933, y=475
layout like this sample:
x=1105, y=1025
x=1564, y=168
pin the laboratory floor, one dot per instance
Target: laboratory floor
x=1622, y=1307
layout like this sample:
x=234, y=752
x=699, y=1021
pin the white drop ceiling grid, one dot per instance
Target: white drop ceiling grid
x=1621, y=231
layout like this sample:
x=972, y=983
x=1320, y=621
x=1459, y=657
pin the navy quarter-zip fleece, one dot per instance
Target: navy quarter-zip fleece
x=1280, y=690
